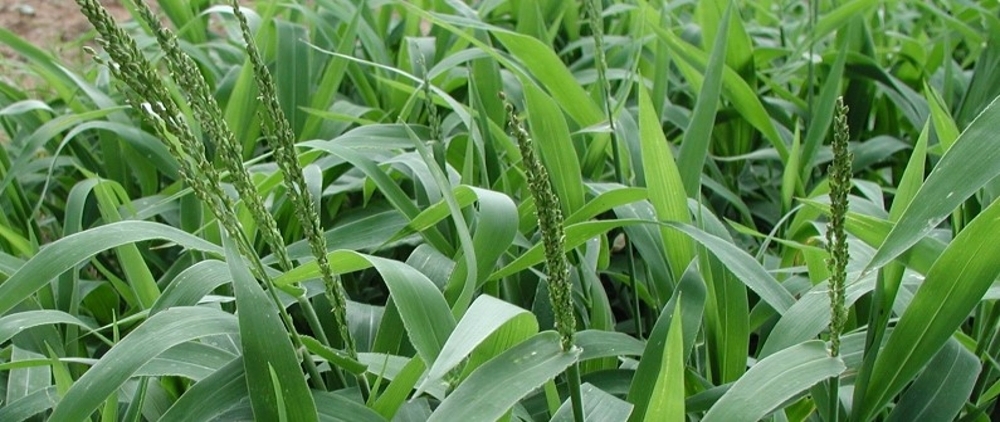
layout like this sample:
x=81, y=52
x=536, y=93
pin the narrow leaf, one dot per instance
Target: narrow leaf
x=952, y=288
x=698, y=136
x=266, y=347
x=775, y=380
x=664, y=184
x=969, y=160
x=158, y=333
x=495, y=387
x=64, y=254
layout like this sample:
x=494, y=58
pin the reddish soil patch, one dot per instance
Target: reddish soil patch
x=50, y=22
x=56, y=26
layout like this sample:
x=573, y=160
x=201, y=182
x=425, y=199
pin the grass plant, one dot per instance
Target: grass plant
x=505, y=210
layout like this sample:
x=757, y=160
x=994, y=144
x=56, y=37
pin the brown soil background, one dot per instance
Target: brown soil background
x=50, y=22
x=56, y=26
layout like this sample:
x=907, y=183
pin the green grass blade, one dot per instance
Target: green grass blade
x=57, y=77
x=30, y=405
x=461, y=290
x=601, y=344
x=598, y=406
x=689, y=296
x=664, y=185
x=952, y=288
x=64, y=254
x=839, y=17
x=822, y=114
x=212, y=396
x=155, y=335
x=741, y=264
x=492, y=389
x=44, y=134
x=192, y=284
x=111, y=195
x=292, y=72
x=425, y=313
x=333, y=356
x=940, y=392
x=267, y=348
x=334, y=407
x=423, y=309
x=22, y=382
x=775, y=380
x=944, y=126
x=333, y=75
x=727, y=311
x=809, y=316
x=614, y=196
x=388, y=187
x=666, y=402
x=551, y=73
x=873, y=232
x=739, y=54
x=191, y=360
x=551, y=134
x=399, y=389
x=576, y=235
x=12, y=324
x=963, y=170
x=983, y=86
x=182, y=14
x=484, y=317
x=698, y=136
x=241, y=110
x=913, y=176
x=735, y=89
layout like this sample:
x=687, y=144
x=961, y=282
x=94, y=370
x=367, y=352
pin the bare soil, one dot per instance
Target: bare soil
x=56, y=26
x=50, y=22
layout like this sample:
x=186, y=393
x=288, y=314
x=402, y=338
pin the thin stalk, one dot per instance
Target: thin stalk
x=593, y=8
x=878, y=319
x=312, y=319
x=575, y=397
x=810, y=77
x=550, y=223
x=987, y=348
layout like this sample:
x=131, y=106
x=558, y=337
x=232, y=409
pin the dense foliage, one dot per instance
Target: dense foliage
x=598, y=210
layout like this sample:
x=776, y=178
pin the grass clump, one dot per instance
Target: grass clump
x=403, y=244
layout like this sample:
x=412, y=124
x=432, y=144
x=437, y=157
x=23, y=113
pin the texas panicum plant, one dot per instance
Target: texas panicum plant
x=209, y=115
x=839, y=172
x=836, y=235
x=145, y=91
x=550, y=223
x=278, y=132
x=132, y=291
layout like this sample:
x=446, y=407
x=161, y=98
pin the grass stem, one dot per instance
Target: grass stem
x=575, y=397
